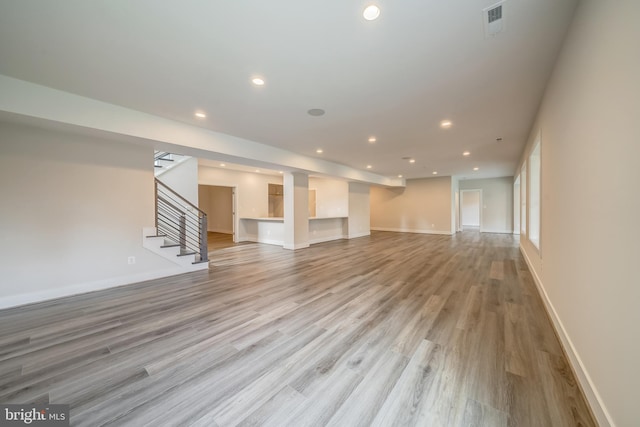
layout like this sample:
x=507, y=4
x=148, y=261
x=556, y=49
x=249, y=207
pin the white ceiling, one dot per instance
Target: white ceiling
x=395, y=78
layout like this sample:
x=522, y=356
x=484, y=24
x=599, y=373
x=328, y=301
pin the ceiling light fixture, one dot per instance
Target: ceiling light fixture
x=319, y=151
x=200, y=115
x=466, y=153
x=258, y=81
x=222, y=165
x=412, y=160
x=372, y=139
x=281, y=172
x=257, y=170
x=434, y=173
x=446, y=124
x=371, y=12
x=476, y=168
x=399, y=176
x=369, y=166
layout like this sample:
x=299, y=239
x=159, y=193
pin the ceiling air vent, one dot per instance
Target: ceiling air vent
x=494, y=19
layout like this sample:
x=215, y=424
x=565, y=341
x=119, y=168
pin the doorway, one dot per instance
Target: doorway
x=470, y=211
x=218, y=202
x=516, y=206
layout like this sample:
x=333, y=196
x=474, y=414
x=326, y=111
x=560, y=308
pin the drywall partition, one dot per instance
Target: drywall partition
x=589, y=128
x=497, y=203
x=217, y=203
x=74, y=206
x=455, y=204
x=332, y=197
x=359, y=221
x=423, y=206
x=296, y=210
x=183, y=179
x=471, y=208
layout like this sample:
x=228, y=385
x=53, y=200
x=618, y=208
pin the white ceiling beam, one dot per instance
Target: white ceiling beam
x=41, y=102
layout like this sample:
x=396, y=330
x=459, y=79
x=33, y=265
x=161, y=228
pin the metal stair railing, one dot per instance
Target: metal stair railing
x=181, y=222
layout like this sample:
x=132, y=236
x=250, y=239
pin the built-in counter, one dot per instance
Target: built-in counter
x=271, y=230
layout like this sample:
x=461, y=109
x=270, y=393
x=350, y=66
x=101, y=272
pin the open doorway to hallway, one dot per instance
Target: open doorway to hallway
x=218, y=203
x=516, y=206
x=470, y=211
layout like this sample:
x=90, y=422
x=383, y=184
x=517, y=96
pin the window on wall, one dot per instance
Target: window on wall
x=534, y=195
x=523, y=199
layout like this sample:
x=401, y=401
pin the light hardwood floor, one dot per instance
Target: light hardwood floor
x=217, y=241
x=388, y=330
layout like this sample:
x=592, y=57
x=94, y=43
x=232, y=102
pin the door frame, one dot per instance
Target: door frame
x=471, y=190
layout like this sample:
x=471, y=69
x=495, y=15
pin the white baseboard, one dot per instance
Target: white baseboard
x=326, y=239
x=220, y=230
x=484, y=230
x=594, y=400
x=411, y=230
x=298, y=246
x=82, y=288
x=356, y=235
x=256, y=239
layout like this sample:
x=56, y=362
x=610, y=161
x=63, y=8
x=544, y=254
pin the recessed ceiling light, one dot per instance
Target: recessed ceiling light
x=476, y=168
x=446, y=124
x=399, y=176
x=412, y=160
x=435, y=172
x=257, y=170
x=258, y=81
x=371, y=12
x=319, y=151
x=222, y=164
x=200, y=115
x=466, y=153
x=372, y=139
x=369, y=166
x=316, y=112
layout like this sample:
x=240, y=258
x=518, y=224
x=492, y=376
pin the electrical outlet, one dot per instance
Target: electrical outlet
x=131, y=260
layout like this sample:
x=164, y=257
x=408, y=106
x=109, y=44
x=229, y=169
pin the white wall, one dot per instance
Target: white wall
x=359, y=222
x=516, y=206
x=589, y=126
x=497, y=202
x=72, y=212
x=423, y=206
x=217, y=203
x=183, y=179
x=455, y=203
x=471, y=208
x=332, y=196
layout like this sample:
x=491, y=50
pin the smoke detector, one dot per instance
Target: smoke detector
x=494, y=19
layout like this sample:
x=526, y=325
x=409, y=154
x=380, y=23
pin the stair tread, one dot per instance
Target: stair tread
x=186, y=253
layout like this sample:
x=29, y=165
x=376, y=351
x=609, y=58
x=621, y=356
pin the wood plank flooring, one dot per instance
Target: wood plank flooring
x=217, y=241
x=388, y=330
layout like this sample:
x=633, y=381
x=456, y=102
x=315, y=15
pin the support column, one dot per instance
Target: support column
x=359, y=210
x=296, y=210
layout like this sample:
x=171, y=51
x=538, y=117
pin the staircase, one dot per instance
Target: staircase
x=180, y=234
x=164, y=161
